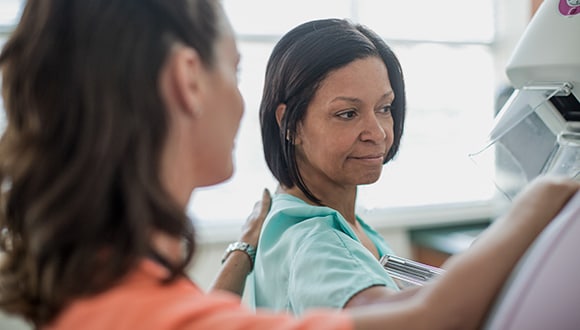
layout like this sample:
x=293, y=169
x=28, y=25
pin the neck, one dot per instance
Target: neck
x=341, y=200
x=168, y=247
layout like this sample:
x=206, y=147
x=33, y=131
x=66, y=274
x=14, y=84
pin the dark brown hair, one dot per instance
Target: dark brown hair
x=80, y=156
x=300, y=61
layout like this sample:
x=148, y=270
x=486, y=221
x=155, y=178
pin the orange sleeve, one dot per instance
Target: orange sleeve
x=221, y=311
x=142, y=302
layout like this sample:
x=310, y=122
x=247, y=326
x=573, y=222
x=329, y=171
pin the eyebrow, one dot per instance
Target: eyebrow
x=387, y=95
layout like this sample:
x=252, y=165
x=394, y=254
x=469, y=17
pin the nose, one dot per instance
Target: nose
x=372, y=128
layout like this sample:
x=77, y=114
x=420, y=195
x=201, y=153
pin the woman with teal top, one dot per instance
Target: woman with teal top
x=332, y=115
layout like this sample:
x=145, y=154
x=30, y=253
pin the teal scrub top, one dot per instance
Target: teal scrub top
x=309, y=257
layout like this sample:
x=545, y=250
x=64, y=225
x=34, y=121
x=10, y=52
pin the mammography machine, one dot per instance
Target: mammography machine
x=538, y=129
x=535, y=133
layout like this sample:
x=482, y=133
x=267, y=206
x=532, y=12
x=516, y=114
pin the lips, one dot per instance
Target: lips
x=370, y=158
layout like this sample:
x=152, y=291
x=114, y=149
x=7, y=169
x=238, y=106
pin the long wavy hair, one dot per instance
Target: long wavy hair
x=80, y=155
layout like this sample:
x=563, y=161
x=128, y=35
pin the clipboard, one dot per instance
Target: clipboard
x=407, y=272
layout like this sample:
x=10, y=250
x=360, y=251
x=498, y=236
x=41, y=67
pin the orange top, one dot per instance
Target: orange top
x=142, y=302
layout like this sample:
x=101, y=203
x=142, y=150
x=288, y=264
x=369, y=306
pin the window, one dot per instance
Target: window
x=9, y=13
x=447, y=55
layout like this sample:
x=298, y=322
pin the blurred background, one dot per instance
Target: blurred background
x=432, y=200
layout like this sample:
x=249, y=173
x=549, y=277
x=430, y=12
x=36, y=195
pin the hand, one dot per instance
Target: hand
x=536, y=205
x=232, y=276
x=253, y=225
x=544, y=198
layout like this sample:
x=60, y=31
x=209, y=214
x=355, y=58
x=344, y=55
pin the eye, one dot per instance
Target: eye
x=386, y=109
x=347, y=114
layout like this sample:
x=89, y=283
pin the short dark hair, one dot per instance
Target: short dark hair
x=81, y=155
x=300, y=61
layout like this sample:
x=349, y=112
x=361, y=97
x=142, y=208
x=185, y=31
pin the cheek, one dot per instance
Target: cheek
x=231, y=99
x=328, y=150
x=238, y=105
x=233, y=116
x=220, y=131
x=229, y=109
x=388, y=127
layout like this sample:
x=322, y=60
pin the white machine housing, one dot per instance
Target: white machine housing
x=544, y=71
x=540, y=117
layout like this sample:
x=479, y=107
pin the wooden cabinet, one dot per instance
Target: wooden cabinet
x=432, y=246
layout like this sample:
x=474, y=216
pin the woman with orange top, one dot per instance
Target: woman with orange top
x=116, y=111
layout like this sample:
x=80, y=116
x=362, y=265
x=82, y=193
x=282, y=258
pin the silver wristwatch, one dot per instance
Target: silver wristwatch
x=241, y=246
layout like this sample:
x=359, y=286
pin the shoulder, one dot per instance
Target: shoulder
x=143, y=301
x=288, y=206
x=294, y=225
x=288, y=211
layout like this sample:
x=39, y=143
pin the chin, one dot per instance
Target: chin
x=210, y=183
x=216, y=176
x=369, y=179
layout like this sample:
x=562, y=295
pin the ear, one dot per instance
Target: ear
x=280, y=110
x=181, y=80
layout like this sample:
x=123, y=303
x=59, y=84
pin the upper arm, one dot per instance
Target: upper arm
x=379, y=294
x=329, y=268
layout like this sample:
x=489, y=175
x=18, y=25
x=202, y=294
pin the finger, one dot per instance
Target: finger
x=266, y=201
x=261, y=207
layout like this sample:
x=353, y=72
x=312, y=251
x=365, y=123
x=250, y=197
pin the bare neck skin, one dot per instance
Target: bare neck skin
x=340, y=199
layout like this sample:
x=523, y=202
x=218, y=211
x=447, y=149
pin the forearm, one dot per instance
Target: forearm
x=456, y=300
x=473, y=279
x=379, y=295
x=232, y=275
x=238, y=264
x=461, y=297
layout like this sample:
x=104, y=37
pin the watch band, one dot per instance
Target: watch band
x=241, y=246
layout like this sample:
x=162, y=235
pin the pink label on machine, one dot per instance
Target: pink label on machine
x=569, y=7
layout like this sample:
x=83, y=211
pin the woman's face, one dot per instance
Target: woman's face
x=220, y=124
x=348, y=127
x=205, y=108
